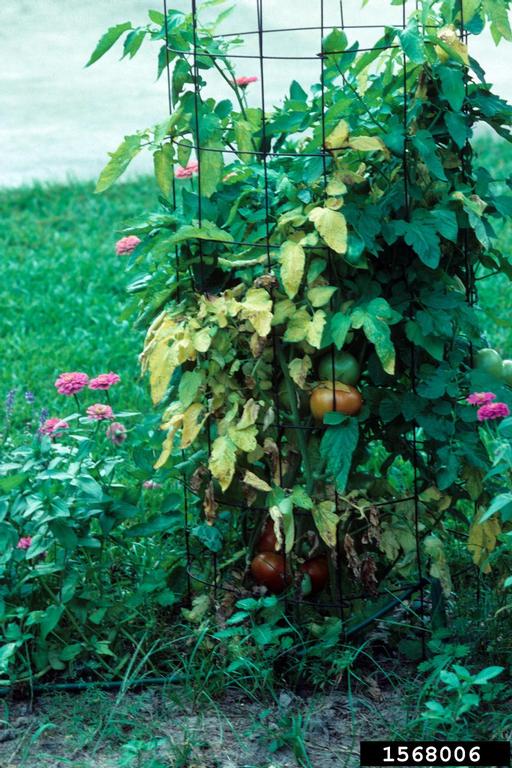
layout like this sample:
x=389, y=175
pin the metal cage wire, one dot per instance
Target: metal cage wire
x=265, y=154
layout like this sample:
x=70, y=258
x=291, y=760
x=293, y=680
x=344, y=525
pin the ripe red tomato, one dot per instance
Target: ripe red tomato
x=268, y=570
x=267, y=541
x=348, y=400
x=346, y=368
x=318, y=571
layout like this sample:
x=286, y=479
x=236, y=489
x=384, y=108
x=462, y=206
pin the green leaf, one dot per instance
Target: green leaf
x=119, y=161
x=181, y=75
x=188, y=387
x=340, y=326
x=457, y=127
x=207, y=231
x=133, y=42
x=293, y=259
x=11, y=482
x=211, y=167
x=208, y=535
x=424, y=143
x=51, y=619
x=337, y=447
x=421, y=236
x=374, y=318
x=452, y=86
x=155, y=525
x=162, y=162
x=412, y=42
x=106, y=42
x=487, y=674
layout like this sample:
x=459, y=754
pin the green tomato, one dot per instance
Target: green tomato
x=346, y=368
x=507, y=372
x=489, y=361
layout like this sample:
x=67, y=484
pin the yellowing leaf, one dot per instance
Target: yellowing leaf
x=299, y=369
x=482, y=541
x=222, y=461
x=452, y=45
x=338, y=138
x=316, y=329
x=439, y=568
x=332, y=227
x=256, y=482
x=202, y=340
x=283, y=310
x=298, y=325
x=321, y=294
x=292, y=258
x=244, y=439
x=367, y=144
x=257, y=308
x=191, y=425
x=171, y=421
x=157, y=355
x=249, y=414
x=326, y=521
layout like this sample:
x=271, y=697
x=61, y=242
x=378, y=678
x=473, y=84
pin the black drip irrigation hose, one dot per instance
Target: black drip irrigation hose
x=179, y=677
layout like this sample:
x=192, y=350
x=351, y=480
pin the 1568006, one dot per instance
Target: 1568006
x=435, y=753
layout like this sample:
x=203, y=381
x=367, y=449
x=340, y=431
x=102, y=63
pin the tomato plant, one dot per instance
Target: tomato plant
x=348, y=220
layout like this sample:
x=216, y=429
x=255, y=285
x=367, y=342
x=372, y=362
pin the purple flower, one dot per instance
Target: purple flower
x=30, y=397
x=480, y=398
x=493, y=411
x=9, y=402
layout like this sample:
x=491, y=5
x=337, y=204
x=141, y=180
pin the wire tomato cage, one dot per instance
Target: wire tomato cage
x=261, y=49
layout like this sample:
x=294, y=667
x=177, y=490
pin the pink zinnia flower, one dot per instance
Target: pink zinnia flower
x=104, y=381
x=480, y=398
x=52, y=427
x=493, y=411
x=189, y=170
x=243, y=82
x=24, y=542
x=116, y=433
x=127, y=244
x=151, y=485
x=100, y=412
x=71, y=383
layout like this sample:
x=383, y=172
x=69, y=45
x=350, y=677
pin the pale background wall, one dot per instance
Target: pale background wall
x=58, y=120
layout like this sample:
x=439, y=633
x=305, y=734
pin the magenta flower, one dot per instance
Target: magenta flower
x=100, y=412
x=126, y=245
x=52, y=427
x=243, y=82
x=151, y=485
x=480, y=398
x=493, y=411
x=104, y=381
x=189, y=170
x=70, y=383
x=24, y=542
x=116, y=433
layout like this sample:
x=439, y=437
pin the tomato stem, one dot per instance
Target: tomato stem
x=295, y=414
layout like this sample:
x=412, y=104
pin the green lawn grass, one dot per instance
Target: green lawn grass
x=62, y=286
x=62, y=290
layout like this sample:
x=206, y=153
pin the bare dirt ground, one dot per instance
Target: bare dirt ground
x=154, y=729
